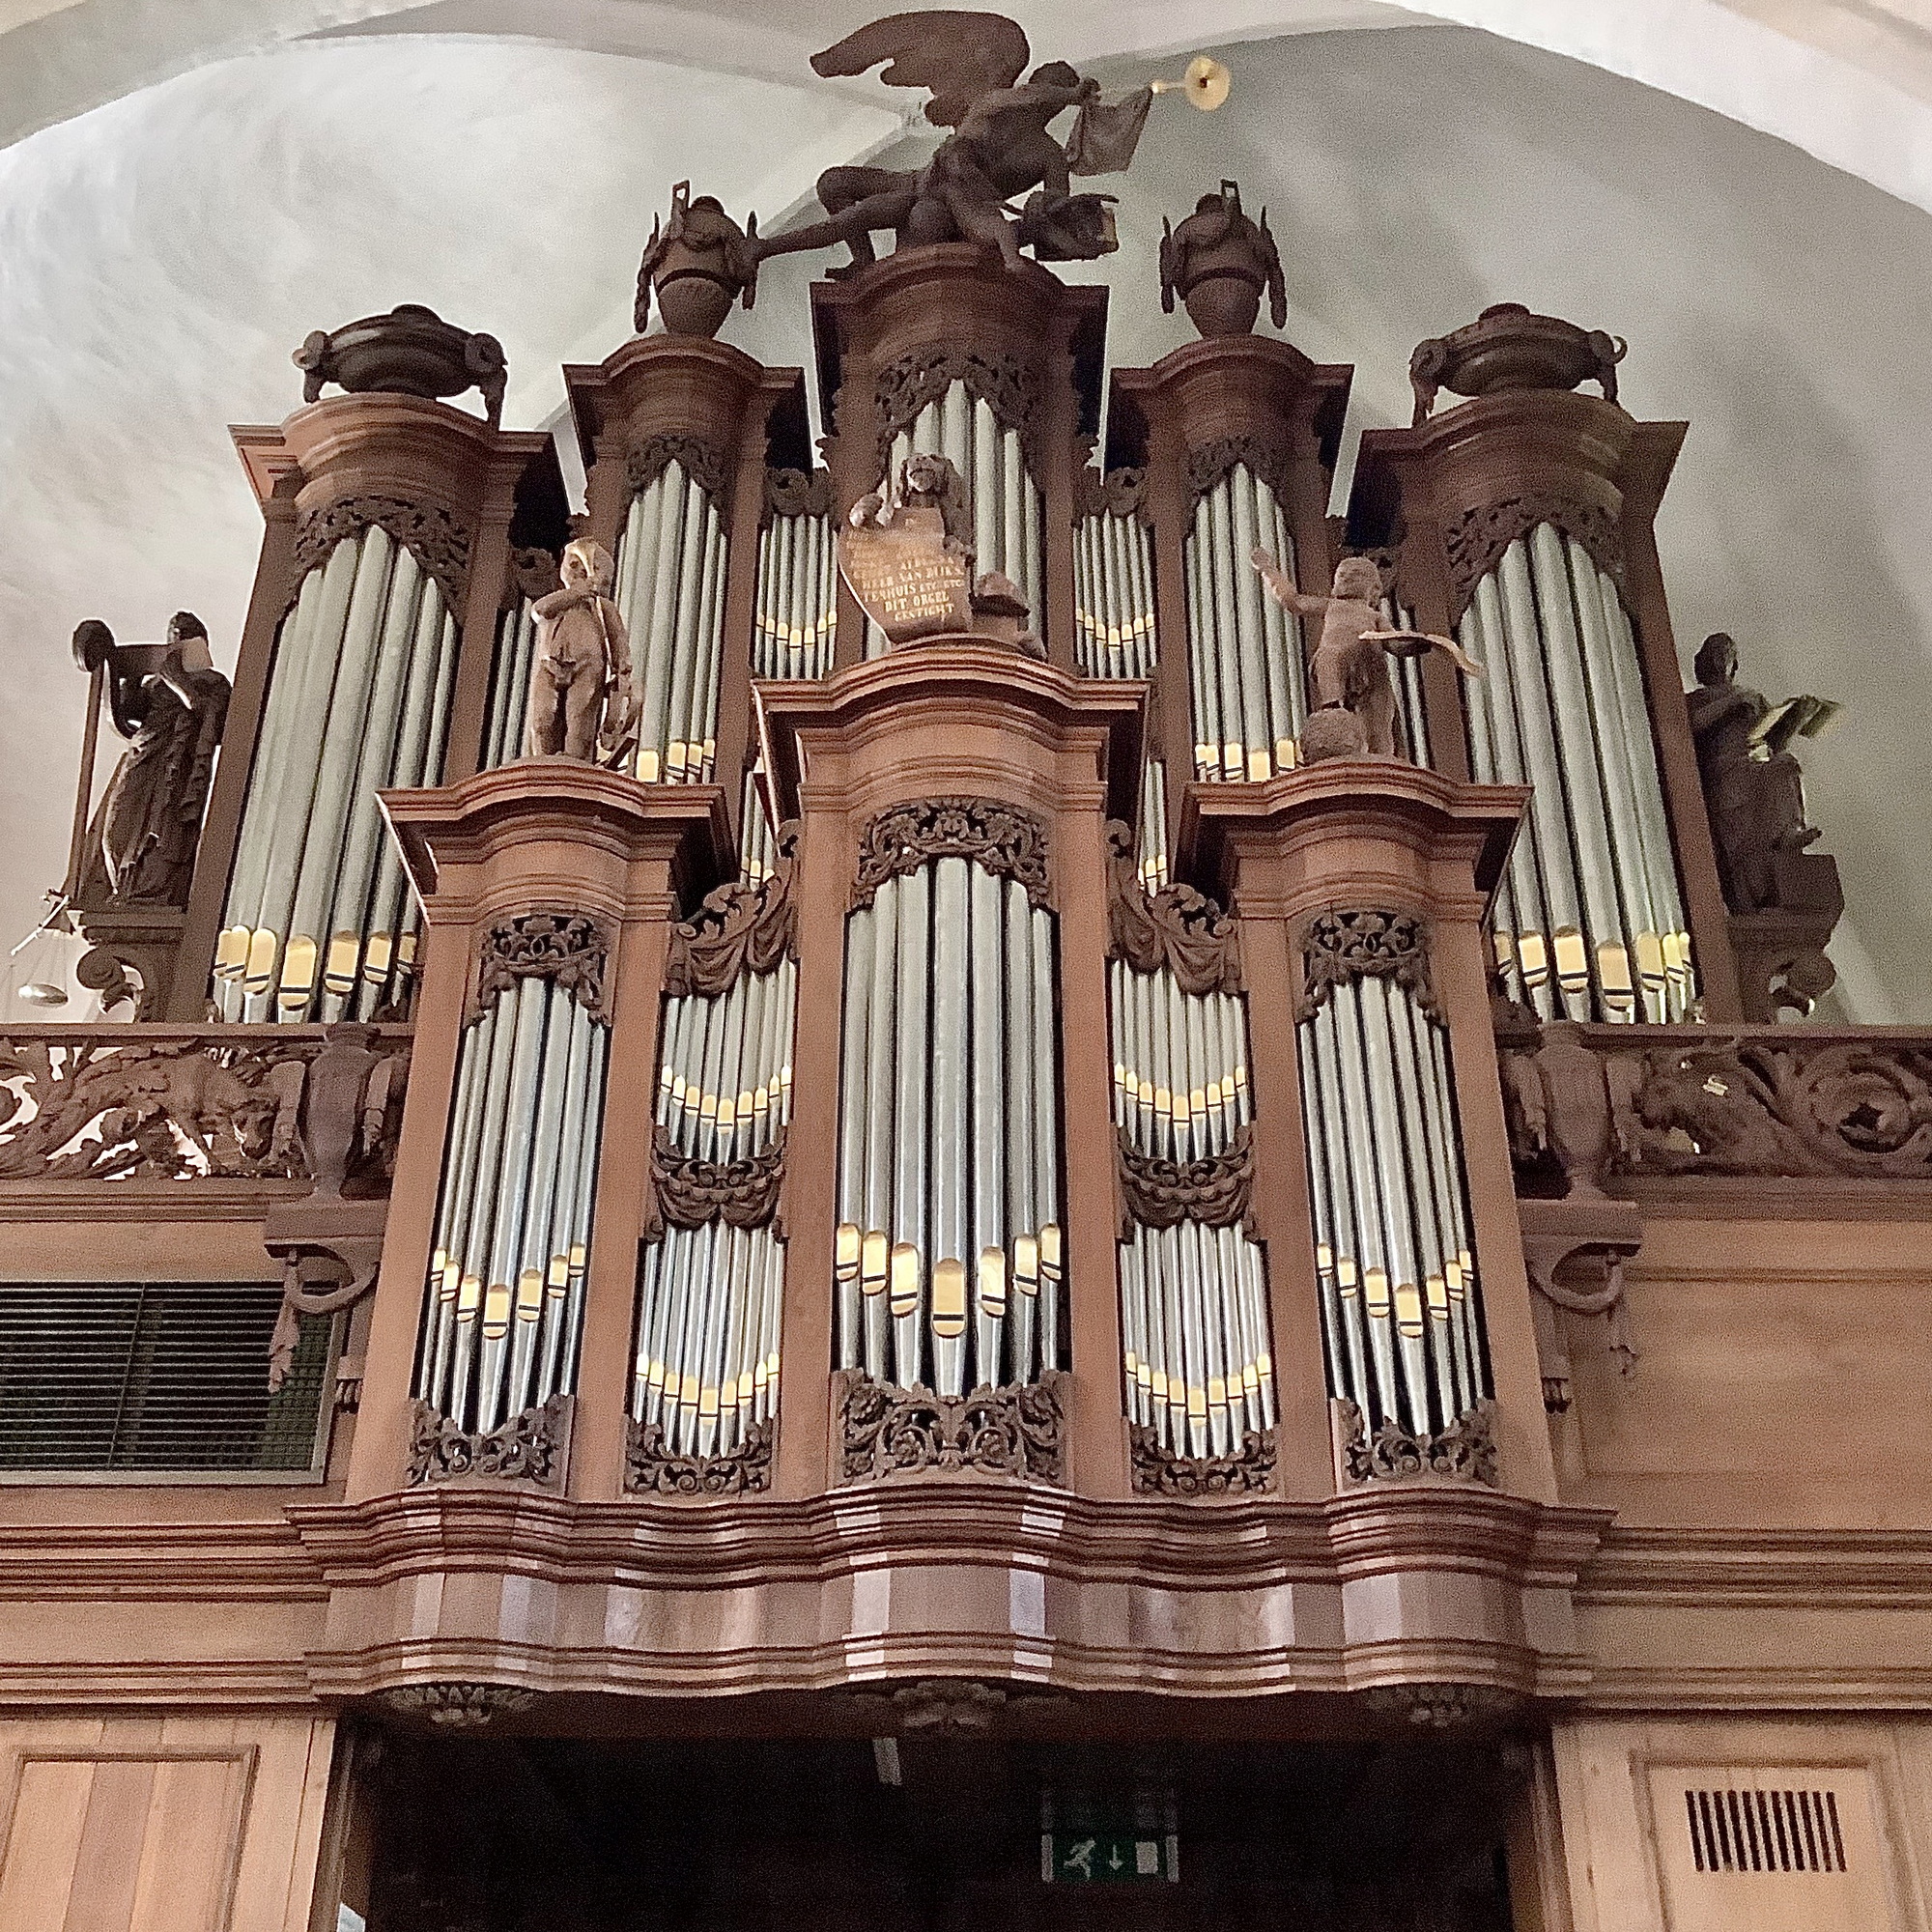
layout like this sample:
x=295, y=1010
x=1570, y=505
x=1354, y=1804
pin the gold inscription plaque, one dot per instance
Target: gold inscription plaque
x=911, y=584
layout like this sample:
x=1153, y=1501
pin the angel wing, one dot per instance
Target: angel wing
x=959, y=56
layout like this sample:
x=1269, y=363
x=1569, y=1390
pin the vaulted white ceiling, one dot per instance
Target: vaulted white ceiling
x=160, y=255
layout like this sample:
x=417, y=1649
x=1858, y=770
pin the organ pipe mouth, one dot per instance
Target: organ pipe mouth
x=949, y=1298
x=993, y=1282
x=905, y=1279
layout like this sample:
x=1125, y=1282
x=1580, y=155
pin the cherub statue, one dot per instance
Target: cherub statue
x=1347, y=670
x=581, y=693
x=999, y=147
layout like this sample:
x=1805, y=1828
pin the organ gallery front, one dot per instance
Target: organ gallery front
x=943, y=1153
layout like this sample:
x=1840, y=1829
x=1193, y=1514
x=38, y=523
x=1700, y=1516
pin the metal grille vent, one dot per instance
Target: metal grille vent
x=1765, y=1830
x=154, y=1376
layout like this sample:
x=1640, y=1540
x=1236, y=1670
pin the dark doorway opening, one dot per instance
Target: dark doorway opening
x=542, y=1835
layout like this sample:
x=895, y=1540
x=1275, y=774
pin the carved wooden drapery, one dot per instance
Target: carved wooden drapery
x=1176, y=928
x=738, y=929
x=796, y=492
x=1007, y=839
x=1341, y=947
x=1118, y=493
x=438, y=541
x=1218, y=1190
x=572, y=949
x=693, y=1193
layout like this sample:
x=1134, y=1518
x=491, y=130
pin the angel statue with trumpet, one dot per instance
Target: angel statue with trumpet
x=999, y=147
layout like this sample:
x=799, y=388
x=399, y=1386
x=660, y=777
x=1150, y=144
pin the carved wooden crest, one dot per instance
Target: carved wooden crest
x=1176, y=929
x=572, y=949
x=1007, y=839
x=738, y=929
x=1218, y=1190
x=1341, y=947
x=702, y=463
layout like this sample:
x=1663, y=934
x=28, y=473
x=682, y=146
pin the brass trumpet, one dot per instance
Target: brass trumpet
x=1204, y=83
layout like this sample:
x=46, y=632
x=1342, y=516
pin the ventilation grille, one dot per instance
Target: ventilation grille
x=154, y=1376
x=1765, y=1830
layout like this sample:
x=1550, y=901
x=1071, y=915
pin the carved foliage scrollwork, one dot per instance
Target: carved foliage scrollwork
x=738, y=929
x=572, y=949
x=1218, y=1190
x=1176, y=928
x=1267, y=459
x=432, y=534
x=652, y=1468
x=221, y=1104
x=691, y=1193
x=1780, y=1103
x=1159, y=1472
x=1008, y=840
x=528, y=1448
x=797, y=493
x=1475, y=539
x=1007, y=384
x=1466, y=1451
x=457, y=1706
x=702, y=462
x=1016, y=1432
x=1356, y=943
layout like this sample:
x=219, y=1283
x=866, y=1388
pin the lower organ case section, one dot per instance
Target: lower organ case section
x=949, y=1259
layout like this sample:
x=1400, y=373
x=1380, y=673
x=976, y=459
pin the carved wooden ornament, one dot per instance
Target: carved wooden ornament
x=1466, y=1451
x=572, y=949
x=1218, y=1190
x=1160, y=1472
x=1007, y=385
x=528, y=1448
x=432, y=534
x=1475, y=539
x=702, y=463
x=1015, y=1432
x=691, y=1193
x=651, y=1469
x=1007, y=839
x=1345, y=946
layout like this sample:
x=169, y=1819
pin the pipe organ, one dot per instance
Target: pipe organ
x=949, y=1252
x=1589, y=922
x=670, y=587
x=798, y=580
x=317, y=924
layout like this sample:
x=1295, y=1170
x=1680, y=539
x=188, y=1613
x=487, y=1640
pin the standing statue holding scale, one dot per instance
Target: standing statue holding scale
x=999, y=147
x=172, y=702
x=581, y=694
x=1351, y=707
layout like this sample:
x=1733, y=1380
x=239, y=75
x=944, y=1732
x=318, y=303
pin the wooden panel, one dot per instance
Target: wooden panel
x=173, y=1823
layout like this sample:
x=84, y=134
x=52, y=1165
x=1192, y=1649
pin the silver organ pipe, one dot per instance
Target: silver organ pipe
x=707, y=1369
x=510, y=684
x=1396, y=1276
x=948, y=1255
x=504, y=1299
x=1246, y=664
x=795, y=629
x=1589, y=922
x=319, y=923
x=1113, y=596
x=1199, y=1371
x=671, y=562
x=1006, y=511
x=1152, y=856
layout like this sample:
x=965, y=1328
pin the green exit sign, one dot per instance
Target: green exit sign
x=1108, y=1857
